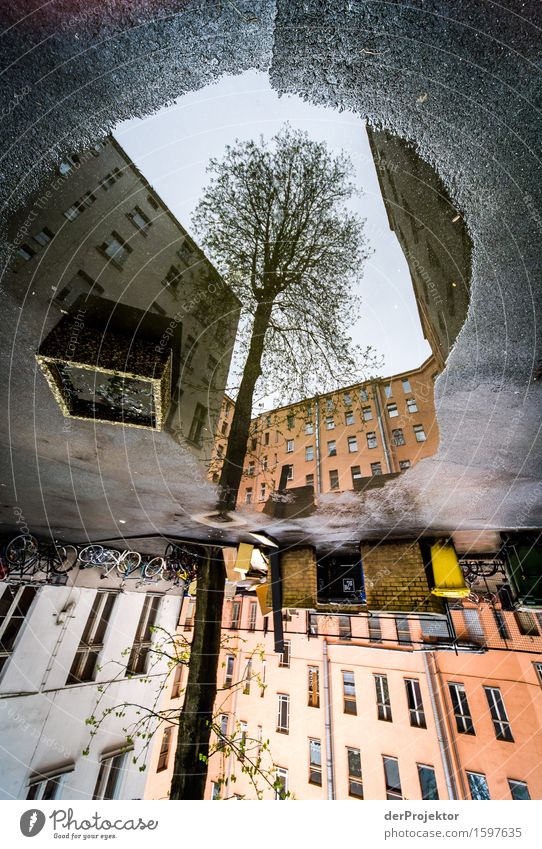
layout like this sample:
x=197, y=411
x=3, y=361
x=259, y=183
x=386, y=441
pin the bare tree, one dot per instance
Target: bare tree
x=275, y=222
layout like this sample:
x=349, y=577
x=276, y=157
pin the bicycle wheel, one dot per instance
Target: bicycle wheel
x=22, y=551
x=154, y=567
x=90, y=555
x=62, y=559
x=129, y=561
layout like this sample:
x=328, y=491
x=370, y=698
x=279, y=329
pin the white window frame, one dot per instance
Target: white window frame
x=283, y=713
x=112, y=760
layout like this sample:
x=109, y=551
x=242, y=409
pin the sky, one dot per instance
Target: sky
x=172, y=147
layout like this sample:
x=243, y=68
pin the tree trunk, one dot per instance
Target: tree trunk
x=232, y=469
x=190, y=770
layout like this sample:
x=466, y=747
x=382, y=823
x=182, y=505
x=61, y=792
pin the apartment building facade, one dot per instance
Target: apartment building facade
x=100, y=229
x=69, y=654
x=339, y=441
x=432, y=235
x=371, y=707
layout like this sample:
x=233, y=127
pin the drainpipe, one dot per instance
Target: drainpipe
x=330, y=772
x=317, y=446
x=442, y=737
x=381, y=427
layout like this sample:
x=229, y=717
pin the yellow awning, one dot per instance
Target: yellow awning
x=448, y=575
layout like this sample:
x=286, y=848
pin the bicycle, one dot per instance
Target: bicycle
x=108, y=559
x=21, y=554
x=181, y=564
x=53, y=559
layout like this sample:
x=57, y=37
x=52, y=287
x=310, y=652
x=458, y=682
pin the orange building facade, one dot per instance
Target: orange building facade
x=339, y=441
x=384, y=706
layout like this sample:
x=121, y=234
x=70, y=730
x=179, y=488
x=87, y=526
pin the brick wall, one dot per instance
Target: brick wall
x=298, y=570
x=395, y=578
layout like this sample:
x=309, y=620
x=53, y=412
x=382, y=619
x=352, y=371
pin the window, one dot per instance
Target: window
x=48, y=785
x=387, y=390
x=172, y=278
x=315, y=762
x=392, y=410
x=177, y=679
x=235, y=615
x=345, y=628
x=138, y=661
x=281, y=783
x=215, y=790
x=309, y=480
x=393, y=780
x=283, y=713
x=243, y=729
x=367, y=414
x=376, y=469
x=247, y=677
x=163, y=757
x=284, y=657
x=248, y=495
x=115, y=249
x=72, y=212
x=289, y=446
x=314, y=686
x=189, y=621
x=538, y=669
x=352, y=444
x=478, y=786
x=406, y=385
x=251, y=467
x=371, y=439
x=383, y=698
x=463, y=718
x=412, y=407
x=25, y=252
x=309, y=428
x=290, y=473
x=152, y=202
x=428, y=782
x=312, y=624
x=349, y=418
x=110, y=179
x=252, y=615
x=419, y=433
x=85, y=662
x=519, y=790
x=398, y=436
x=263, y=488
x=404, y=465
x=266, y=438
x=349, y=693
x=355, y=783
x=44, y=237
x=253, y=444
x=309, y=452
x=330, y=423
x=526, y=623
x=329, y=404
x=332, y=448
x=15, y=603
x=403, y=630
x=110, y=776
x=364, y=394
x=224, y=428
x=228, y=675
x=222, y=733
x=500, y=622
x=289, y=422
x=198, y=424
x=474, y=625
x=375, y=631
x=415, y=704
x=356, y=474
x=498, y=714
x=347, y=399
x=139, y=219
